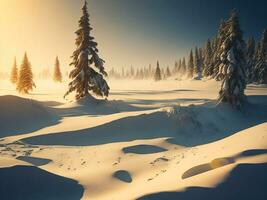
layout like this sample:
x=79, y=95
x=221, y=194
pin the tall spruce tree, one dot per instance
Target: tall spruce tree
x=57, y=73
x=261, y=63
x=197, y=63
x=254, y=74
x=233, y=64
x=207, y=60
x=217, y=64
x=157, y=76
x=14, y=73
x=250, y=58
x=25, y=79
x=88, y=71
x=190, y=65
x=210, y=71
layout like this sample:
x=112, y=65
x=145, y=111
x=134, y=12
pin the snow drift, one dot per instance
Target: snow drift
x=187, y=126
x=19, y=115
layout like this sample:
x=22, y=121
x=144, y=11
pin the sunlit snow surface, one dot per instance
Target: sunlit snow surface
x=149, y=138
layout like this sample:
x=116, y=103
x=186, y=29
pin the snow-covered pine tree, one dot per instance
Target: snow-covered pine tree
x=207, y=59
x=210, y=71
x=183, y=66
x=85, y=60
x=216, y=64
x=57, y=73
x=261, y=65
x=233, y=64
x=14, y=73
x=197, y=64
x=201, y=60
x=250, y=58
x=254, y=74
x=157, y=76
x=25, y=81
x=190, y=65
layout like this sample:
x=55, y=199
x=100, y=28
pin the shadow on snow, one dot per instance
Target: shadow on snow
x=246, y=182
x=31, y=183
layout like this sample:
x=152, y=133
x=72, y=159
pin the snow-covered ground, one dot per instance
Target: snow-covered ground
x=150, y=140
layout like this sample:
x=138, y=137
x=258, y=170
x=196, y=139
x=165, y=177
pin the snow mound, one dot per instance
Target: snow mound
x=19, y=115
x=93, y=106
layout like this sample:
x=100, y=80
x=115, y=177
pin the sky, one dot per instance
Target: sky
x=128, y=32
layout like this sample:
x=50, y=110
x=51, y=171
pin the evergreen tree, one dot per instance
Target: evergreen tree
x=184, y=66
x=25, y=81
x=190, y=65
x=250, y=58
x=233, y=64
x=208, y=59
x=216, y=60
x=168, y=72
x=157, y=76
x=254, y=74
x=14, y=73
x=201, y=60
x=261, y=65
x=84, y=77
x=57, y=73
x=197, y=63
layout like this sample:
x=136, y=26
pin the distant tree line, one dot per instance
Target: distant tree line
x=207, y=61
